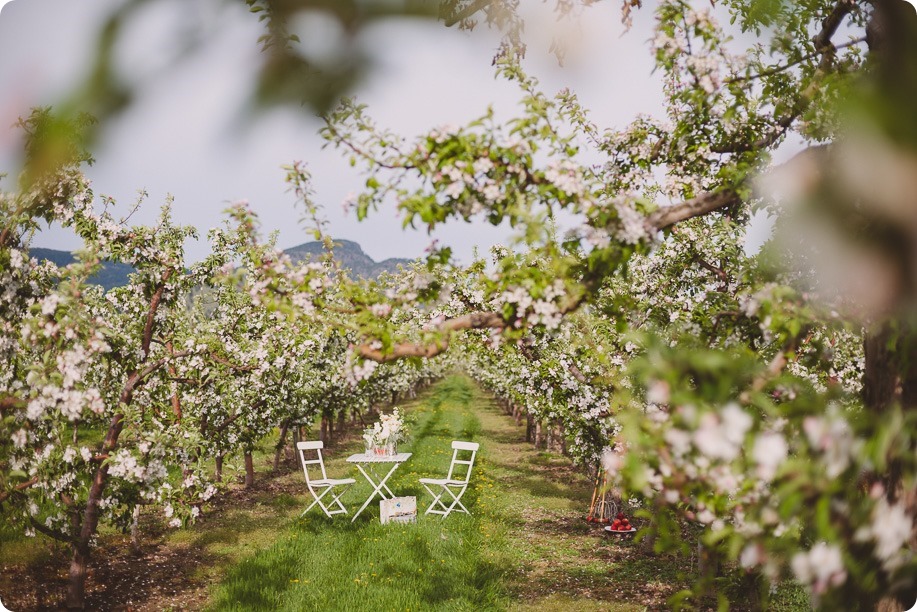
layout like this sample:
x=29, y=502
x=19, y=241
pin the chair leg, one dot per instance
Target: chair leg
x=318, y=500
x=446, y=510
x=457, y=502
x=437, y=502
x=430, y=508
x=336, y=499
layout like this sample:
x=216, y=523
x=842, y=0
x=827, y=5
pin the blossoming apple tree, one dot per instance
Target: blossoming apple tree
x=113, y=400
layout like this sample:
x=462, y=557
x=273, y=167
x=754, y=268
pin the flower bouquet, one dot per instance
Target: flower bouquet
x=383, y=437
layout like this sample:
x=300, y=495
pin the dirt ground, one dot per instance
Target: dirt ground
x=161, y=575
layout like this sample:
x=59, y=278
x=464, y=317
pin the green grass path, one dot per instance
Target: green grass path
x=524, y=547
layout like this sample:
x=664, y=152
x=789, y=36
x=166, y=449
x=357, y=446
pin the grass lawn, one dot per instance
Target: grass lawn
x=326, y=563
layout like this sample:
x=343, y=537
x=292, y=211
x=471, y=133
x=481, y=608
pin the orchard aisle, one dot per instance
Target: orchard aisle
x=525, y=547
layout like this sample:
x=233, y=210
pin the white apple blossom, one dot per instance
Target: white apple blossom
x=769, y=452
x=820, y=568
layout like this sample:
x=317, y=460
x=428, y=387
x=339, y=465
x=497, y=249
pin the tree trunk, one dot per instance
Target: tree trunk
x=249, y=470
x=529, y=429
x=648, y=544
x=135, y=529
x=561, y=439
x=79, y=566
x=281, y=444
x=890, y=378
x=325, y=431
x=79, y=563
x=708, y=567
x=891, y=349
x=539, y=435
x=218, y=468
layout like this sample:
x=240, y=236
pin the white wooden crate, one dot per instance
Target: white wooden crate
x=398, y=510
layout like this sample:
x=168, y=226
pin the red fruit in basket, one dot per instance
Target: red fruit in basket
x=620, y=515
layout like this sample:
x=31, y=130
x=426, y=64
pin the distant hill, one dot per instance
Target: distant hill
x=351, y=256
x=111, y=275
x=349, y=253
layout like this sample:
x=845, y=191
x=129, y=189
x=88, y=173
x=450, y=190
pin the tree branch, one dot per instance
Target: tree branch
x=696, y=207
x=831, y=23
x=20, y=487
x=226, y=423
x=774, y=368
x=826, y=49
x=151, y=313
x=474, y=320
x=11, y=401
x=176, y=400
x=230, y=364
x=137, y=378
x=51, y=533
x=663, y=218
x=779, y=69
x=465, y=13
x=719, y=272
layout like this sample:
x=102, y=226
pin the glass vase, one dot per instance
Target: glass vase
x=391, y=447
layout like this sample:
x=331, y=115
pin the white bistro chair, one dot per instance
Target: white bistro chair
x=452, y=484
x=323, y=484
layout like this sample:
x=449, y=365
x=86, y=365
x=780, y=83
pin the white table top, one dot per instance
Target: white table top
x=364, y=458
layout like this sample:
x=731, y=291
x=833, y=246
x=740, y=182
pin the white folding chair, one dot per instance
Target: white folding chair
x=324, y=483
x=452, y=484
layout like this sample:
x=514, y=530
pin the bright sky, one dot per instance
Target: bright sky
x=187, y=134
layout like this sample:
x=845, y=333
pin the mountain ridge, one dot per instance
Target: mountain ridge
x=351, y=256
x=349, y=253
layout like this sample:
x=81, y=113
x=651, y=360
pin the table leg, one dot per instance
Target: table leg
x=382, y=484
x=377, y=488
x=368, y=499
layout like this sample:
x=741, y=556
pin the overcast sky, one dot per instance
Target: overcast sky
x=187, y=135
